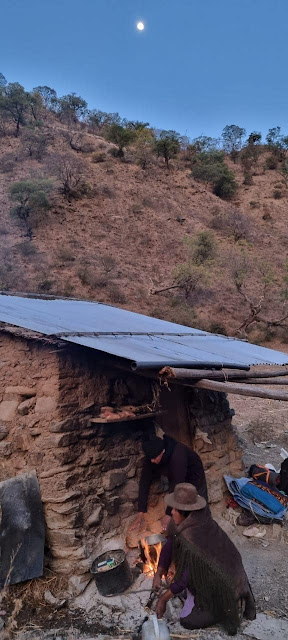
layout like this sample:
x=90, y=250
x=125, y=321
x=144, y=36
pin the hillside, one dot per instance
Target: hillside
x=126, y=236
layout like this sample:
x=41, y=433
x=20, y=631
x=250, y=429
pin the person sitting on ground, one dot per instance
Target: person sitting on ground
x=166, y=457
x=208, y=566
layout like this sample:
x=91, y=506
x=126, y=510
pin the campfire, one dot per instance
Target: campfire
x=150, y=549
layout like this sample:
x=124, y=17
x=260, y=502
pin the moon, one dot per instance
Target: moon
x=140, y=26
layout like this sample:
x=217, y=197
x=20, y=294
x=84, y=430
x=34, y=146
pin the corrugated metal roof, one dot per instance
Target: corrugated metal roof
x=143, y=341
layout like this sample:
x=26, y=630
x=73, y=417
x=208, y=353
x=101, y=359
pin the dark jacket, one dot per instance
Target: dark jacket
x=179, y=464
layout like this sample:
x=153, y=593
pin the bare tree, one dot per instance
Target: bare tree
x=71, y=172
x=268, y=293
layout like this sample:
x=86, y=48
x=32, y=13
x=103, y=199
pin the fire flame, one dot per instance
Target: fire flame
x=152, y=554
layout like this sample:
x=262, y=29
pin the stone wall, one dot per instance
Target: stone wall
x=89, y=473
x=214, y=439
x=28, y=403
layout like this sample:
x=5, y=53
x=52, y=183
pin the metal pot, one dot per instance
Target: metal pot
x=113, y=580
x=155, y=538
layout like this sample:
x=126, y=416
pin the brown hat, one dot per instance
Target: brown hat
x=185, y=498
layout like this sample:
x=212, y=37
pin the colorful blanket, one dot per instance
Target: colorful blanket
x=260, y=504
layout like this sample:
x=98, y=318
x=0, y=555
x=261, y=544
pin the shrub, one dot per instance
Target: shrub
x=226, y=186
x=32, y=198
x=45, y=285
x=116, y=295
x=271, y=163
x=254, y=204
x=35, y=143
x=234, y=223
x=277, y=194
x=8, y=163
x=217, y=327
x=98, y=156
x=210, y=167
x=108, y=263
x=106, y=191
x=65, y=255
x=203, y=247
x=27, y=249
x=136, y=209
x=248, y=180
x=71, y=171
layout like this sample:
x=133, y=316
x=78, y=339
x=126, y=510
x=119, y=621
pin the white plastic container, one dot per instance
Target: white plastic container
x=154, y=629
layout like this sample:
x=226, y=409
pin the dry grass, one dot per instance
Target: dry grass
x=139, y=220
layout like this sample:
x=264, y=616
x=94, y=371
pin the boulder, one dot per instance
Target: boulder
x=95, y=517
x=6, y=448
x=25, y=406
x=4, y=430
x=45, y=404
x=25, y=392
x=8, y=409
x=114, y=479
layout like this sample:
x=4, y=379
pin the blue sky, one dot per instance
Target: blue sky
x=199, y=64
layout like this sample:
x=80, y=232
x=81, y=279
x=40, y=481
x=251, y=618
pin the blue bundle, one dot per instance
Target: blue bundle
x=259, y=502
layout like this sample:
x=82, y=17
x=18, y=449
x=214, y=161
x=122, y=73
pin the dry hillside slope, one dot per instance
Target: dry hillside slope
x=127, y=235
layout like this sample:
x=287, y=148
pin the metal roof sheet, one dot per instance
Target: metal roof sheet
x=143, y=341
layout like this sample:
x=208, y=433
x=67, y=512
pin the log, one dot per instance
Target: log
x=280, y=381
x=177, y=373
x=240, y=389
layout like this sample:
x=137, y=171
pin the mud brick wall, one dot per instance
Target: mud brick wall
x=214, y=439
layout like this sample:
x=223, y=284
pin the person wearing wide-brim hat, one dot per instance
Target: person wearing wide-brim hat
x=207, y=565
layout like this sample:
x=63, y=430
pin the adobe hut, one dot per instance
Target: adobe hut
x=80, y=388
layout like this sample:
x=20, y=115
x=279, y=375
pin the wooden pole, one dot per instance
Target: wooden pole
x=280, y=381
x=240, y=389
x=176, y=373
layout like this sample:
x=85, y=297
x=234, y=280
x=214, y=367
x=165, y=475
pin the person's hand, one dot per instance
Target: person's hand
x=138, y=522
x=157, y=581
x=165, y=521
x=161, y=606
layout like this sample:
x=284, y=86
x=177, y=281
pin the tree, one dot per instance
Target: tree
x=273, y=137
x=3, y=82
x=232, y=137
x=71, y=108
x=121, y=137
x=276, y=143
x=254, y=138
x=210, y=167
x=100, y=119
x=167, y=145
x=250, y=276
x=143, y=147
x=32, y=198
x=135, y=125
x=71, y=172
x=36, y=107
x=203, y=143
x=14, y=103
x=48, y=96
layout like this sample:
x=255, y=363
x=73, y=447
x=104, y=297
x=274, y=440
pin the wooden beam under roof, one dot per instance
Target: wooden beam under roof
x=240, y=389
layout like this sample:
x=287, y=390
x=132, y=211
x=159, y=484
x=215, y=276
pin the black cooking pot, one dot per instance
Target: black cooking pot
x=115, y=579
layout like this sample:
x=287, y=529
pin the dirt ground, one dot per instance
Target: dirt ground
x=263, y=429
